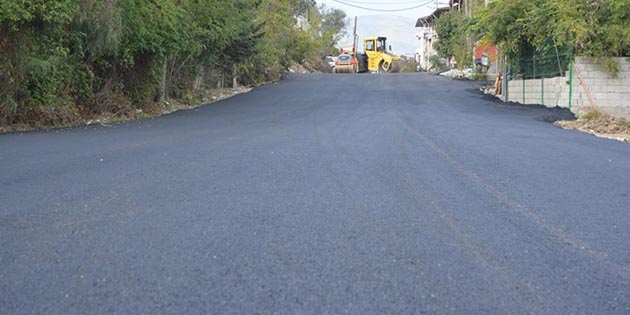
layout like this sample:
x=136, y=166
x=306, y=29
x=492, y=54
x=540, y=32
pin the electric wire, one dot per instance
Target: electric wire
x=384, y=10
x=380, y=3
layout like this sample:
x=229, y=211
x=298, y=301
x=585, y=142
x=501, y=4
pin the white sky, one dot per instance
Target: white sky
x=427, y=7
x=397, y=26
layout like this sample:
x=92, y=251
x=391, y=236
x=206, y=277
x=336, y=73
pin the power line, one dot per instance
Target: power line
x=383, y=10
x=380, y=3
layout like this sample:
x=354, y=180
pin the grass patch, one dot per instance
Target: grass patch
x=591, y=115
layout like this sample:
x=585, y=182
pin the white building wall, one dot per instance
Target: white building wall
x=425, y=38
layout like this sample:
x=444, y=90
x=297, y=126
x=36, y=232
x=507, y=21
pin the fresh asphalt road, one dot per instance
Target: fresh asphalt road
x=322, y=194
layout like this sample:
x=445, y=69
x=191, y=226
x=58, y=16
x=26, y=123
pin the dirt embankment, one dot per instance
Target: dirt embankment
x=43, y=121
x=600, y=124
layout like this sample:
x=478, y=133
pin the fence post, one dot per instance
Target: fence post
x=523, y=89
x=542, y=89
x=534, y=68
x=570, y=83
x=534, y=62
x=506, y=77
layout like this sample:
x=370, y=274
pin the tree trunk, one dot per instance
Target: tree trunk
x=198, y=78
x=234, y=76
x=162, y=84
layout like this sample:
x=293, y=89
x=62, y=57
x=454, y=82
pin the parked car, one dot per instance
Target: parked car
x=346, y=63
x=330, y=60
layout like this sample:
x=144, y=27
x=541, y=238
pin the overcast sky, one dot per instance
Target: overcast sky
x=398, y=27
x=427, y=6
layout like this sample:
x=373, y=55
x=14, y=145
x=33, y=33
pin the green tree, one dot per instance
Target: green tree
x=453, y=39
x=334, y=22
x=63, y=59
x=598, y=28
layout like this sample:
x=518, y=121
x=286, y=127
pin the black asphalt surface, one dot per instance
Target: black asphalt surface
x=322, y=194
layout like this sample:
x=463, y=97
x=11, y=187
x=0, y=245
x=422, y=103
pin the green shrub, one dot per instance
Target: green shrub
x=71, y=57
x=591, y=115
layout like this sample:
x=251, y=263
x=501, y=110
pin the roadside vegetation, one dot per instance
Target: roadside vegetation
x=408, y=64
x=542, y=36
x=454, y=38
x=67, y=62
x=523, y=29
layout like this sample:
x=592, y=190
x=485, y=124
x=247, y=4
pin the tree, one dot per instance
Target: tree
x=453, y=40
x=334, y=22
x=598, y=28
x=65, y=59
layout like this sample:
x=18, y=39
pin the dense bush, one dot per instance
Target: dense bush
x=551, y=31
x=454, y=39
x=66, y=59
x=598, y=28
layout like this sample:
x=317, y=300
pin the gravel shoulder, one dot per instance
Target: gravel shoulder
x=600, y=125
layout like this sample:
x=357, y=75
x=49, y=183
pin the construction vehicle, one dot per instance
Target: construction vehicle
x=345, y=63
x=376, y=57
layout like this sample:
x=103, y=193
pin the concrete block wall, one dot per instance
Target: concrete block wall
x=611, y=95
x=547, y=91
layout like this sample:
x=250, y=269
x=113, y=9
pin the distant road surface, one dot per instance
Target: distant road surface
x=322, y=194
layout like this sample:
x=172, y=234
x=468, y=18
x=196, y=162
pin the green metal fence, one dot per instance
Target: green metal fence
x=539, y=78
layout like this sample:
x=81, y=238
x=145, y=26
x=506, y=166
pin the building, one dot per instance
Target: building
x=426, y=36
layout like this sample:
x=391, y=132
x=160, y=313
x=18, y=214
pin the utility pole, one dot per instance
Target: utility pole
x=354, y=39
x=354, y=46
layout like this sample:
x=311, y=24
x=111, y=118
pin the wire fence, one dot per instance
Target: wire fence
x=537, y=67
x=542, y=79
